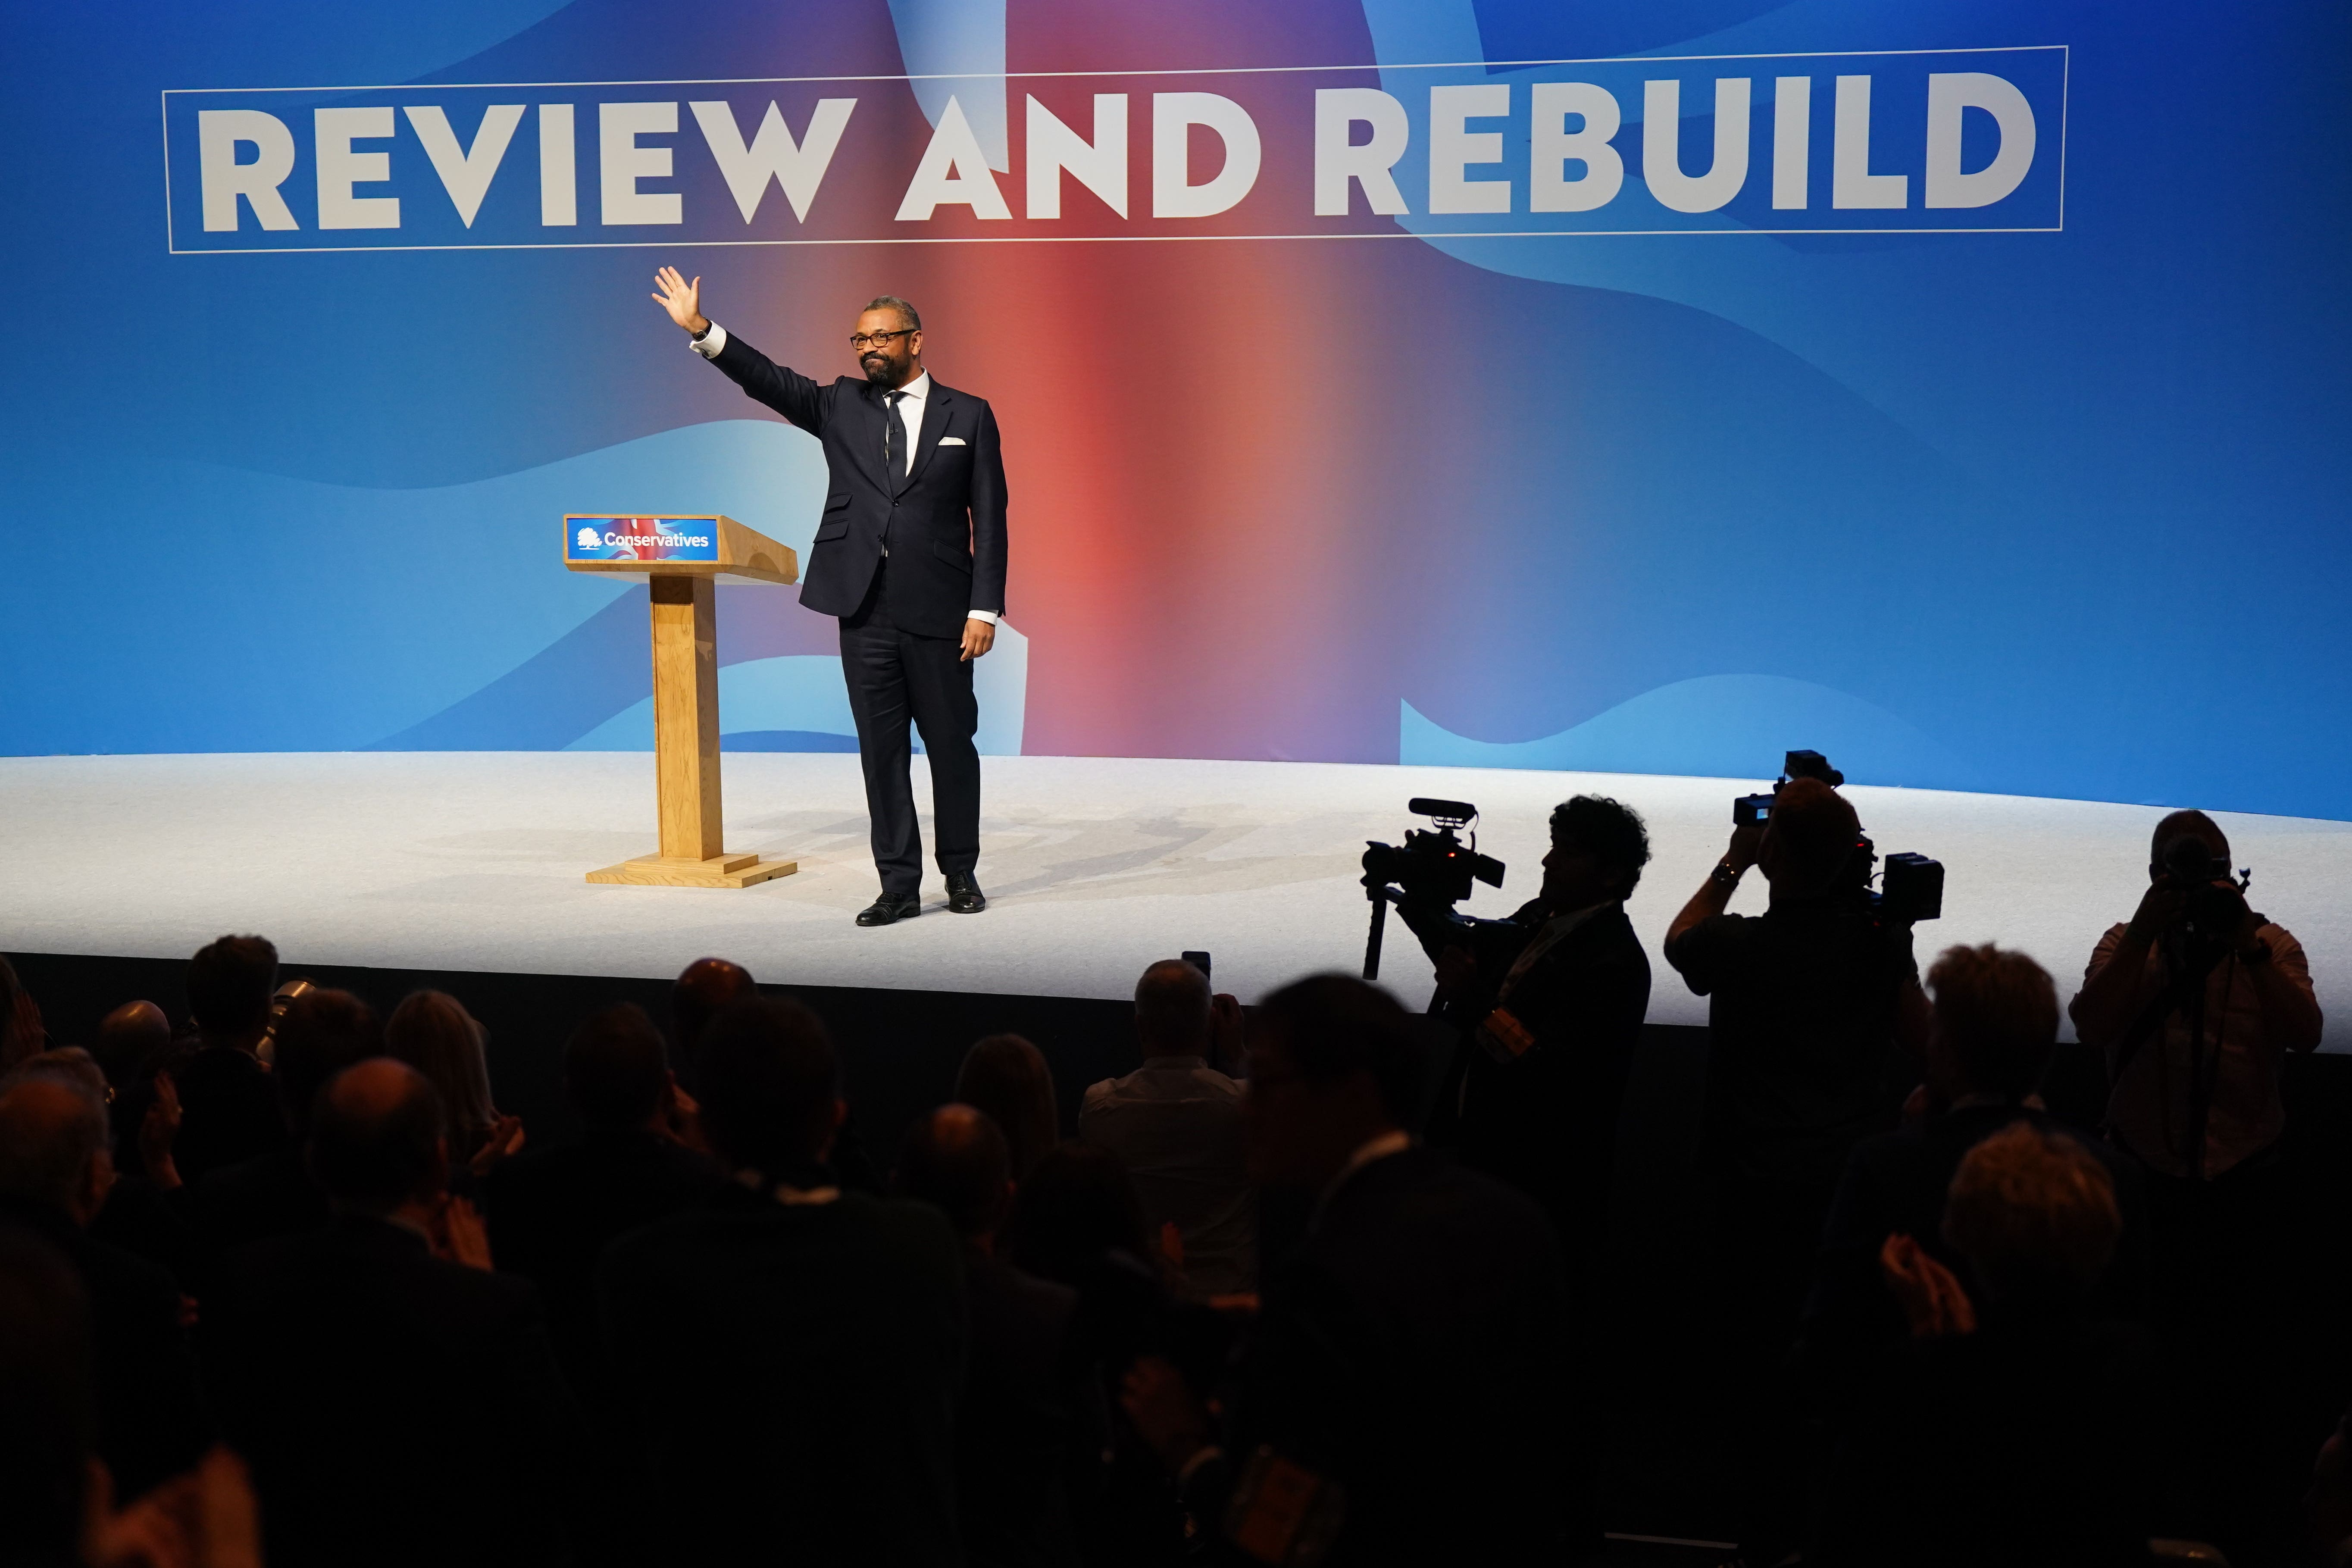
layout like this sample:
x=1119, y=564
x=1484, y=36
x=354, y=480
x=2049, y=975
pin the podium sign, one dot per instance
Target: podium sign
x=682, y=557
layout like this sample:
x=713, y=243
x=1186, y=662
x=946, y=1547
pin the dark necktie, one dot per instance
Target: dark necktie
x=894, y=440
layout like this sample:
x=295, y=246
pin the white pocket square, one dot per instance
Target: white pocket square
x=952, y=441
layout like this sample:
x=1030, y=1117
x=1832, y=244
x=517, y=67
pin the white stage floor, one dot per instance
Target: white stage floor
x=1093, y=866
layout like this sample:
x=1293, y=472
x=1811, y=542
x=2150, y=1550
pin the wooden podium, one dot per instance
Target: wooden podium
x=683, y=558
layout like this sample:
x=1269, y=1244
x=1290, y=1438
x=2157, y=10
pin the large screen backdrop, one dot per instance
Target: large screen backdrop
x=1631, y=385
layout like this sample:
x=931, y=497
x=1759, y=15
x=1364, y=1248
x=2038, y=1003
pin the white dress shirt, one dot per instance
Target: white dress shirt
x=914, y=397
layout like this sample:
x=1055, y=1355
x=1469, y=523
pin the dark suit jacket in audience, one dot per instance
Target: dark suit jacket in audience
x=552, y=1213
x=791, y=1372
x=254, y=1200
x=1896, y=1182
x=396, y=1408
x=151, y=1422
x=1411, y=1350
x=2032, y=1443
x=229, y=1109
x=1018, y=1418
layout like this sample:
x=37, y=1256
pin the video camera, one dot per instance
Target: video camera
x=1434, y=865
x=1433, y=868
x=1910, y=886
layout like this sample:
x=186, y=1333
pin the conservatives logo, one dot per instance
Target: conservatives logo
x=588, y=537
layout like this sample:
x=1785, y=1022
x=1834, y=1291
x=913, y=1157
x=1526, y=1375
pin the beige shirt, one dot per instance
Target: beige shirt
x=2149, y=1108
x=1177, y=1124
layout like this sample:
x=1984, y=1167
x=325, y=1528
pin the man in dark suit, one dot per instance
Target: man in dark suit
x=552, y=1211
x=1017, y=1423
x=399, y=1403
x=1550, y=1004
x=910, y=555
x=1404, y=1396
x=787, y=1353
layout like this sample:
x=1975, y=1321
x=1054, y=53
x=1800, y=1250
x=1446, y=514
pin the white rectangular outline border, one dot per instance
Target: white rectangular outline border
x=2064, y=51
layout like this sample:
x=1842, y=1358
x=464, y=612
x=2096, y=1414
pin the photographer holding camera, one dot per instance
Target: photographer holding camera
x=2193, y=1002
x=1550, y=1004
x=1809, y=1003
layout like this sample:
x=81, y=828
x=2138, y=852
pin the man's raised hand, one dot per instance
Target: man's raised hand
x=682, y=300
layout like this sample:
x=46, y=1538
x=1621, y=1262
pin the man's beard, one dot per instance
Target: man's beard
x=880, y=371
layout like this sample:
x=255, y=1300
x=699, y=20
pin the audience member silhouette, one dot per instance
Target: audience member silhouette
x=2017, y=1427
x=399, y=1403
x=1549, y=1004
x=229, y=1109
x=432, y=1032
x=48, y=1408
x=551, y=1212
x=1017, y=1424
x=1404, y=1396
x=787, y=1353
x=127, y=1038
x=1006, y=1079
x=1989, y=1038
x=22, y=1033
x=703, y=990
x=55, y=1173
x=320, y=1032
x=1176, y=1123
x=1076, y=1221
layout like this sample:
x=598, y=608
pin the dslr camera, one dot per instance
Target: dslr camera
x=2217, y=901
x=1910, y=886
x=1430, y=872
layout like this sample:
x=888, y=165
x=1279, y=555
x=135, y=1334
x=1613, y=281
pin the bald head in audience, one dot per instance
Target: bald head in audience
x=703, y=990
x=1172, y=1010
x=956, y=1160
x=377, y=1144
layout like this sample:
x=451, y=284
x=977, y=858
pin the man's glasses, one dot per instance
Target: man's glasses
x=860, y=341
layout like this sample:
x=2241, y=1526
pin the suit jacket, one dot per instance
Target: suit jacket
x=1897, y=1182
x=1018, y=1419
x=1411, y=1349
x=152, y=1423
x=1546, y=1121
x=396, y=1408
x=944, y=522
x=229, y=1109
x=789, y=1372
x=552, y=1212
x=269, y=1196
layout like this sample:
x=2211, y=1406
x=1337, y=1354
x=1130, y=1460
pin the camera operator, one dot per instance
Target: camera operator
x=1549, y=1004
x=1809, y=1003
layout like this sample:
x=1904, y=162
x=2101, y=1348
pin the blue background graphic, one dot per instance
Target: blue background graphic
x=2053, y=512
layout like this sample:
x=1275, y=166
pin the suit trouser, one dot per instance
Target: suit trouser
x=895, y=675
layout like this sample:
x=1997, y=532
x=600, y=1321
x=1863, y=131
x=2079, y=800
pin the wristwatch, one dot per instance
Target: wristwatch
x=1724, y=875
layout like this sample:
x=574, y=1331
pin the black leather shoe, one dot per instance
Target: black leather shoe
x=889, y=909
x=964, y=896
